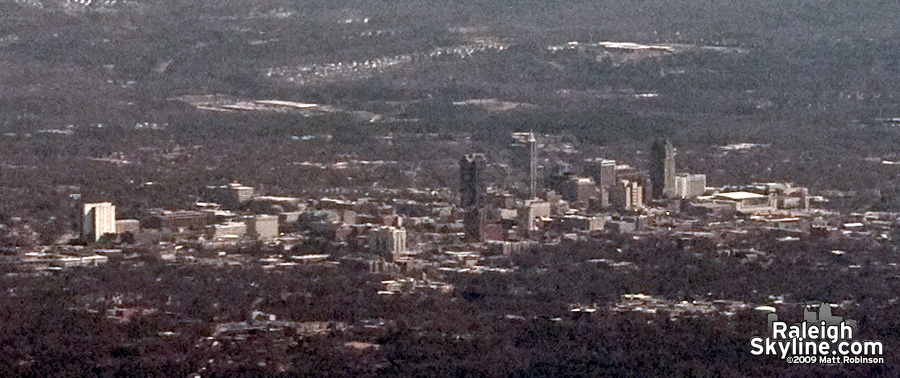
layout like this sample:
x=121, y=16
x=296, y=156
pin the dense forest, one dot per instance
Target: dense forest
x=491, y=325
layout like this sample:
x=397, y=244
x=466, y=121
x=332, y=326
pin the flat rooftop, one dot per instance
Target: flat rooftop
x=739, y=196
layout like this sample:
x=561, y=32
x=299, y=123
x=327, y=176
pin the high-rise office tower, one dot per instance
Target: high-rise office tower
x=662, y=169
x=607, y=175
x=526, y=145
x=472, y=191
x=472, y=185
x=531, y=143
x=604, y=173
x=97, y=219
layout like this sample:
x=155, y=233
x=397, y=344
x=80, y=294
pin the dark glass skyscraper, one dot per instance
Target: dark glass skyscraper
x=472, y=191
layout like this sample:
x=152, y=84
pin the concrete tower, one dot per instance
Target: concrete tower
x=531, y=144
x=662, y=169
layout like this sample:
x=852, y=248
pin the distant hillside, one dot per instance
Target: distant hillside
x=807, y=78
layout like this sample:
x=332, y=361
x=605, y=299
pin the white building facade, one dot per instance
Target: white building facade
x=97, y=219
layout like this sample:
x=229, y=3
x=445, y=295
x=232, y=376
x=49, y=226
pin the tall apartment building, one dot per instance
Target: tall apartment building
x=97, y=219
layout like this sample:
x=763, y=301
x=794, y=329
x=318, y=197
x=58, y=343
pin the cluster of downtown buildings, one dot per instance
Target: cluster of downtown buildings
x=551, y=197
x=466, y=227
x=606, y=195
x=422, y=240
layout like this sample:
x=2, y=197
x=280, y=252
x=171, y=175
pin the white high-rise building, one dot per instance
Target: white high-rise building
x=689, y=185
x=634, y=195
x=97, y=219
